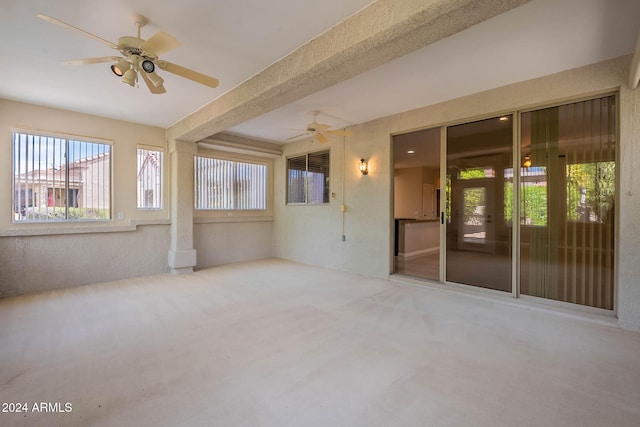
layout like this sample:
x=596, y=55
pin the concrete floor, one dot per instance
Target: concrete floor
x=274, y=343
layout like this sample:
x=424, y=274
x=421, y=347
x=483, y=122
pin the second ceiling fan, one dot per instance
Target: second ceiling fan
x=320, y=131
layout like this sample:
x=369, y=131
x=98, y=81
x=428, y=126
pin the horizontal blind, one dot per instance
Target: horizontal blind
x=318, y=180
x=308, y=178
x=296, y=175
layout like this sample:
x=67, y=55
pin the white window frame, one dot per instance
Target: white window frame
x=204, y=215
x=157, y=180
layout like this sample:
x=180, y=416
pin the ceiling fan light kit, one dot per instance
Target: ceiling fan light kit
x=120, y=68
x=140, y=56
x=148, y=66
x=130, y=77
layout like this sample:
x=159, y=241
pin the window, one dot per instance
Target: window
x=308, y=178
x=230, y=185
x=590, y=191
x=476, y=173
x=533, y=196
x=60, y=179
x=150, y=167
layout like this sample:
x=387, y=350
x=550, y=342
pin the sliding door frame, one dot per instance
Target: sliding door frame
x=616, y=232
x=443, y=213
x=515, y=223
x=443, y=203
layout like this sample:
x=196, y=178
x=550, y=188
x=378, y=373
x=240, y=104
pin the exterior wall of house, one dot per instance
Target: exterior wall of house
x=312, y=234
x=95, y=183
x=42, y=256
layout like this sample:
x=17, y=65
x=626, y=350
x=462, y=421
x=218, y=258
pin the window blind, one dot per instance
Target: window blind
x=229, y=185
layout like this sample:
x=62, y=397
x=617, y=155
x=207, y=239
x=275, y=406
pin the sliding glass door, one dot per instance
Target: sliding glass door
x=416, y=191
x=478, y=235
x=567, y=194
x=545, y=229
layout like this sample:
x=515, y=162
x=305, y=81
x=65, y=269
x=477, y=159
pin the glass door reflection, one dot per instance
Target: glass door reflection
x=478, y=230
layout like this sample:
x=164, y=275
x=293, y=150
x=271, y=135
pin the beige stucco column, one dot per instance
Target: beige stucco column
x=182, y=255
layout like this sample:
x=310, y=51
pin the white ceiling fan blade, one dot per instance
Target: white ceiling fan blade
x=339, y=132
x=160, y=43
x=188, y=74
x=98, y=60
x=156, y=90
x=321, y=127
x=71, y=27
x=298, y=136
x=321, y=138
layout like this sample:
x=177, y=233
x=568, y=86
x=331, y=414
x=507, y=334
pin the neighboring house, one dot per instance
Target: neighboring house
x=149, y=179
x=44, y=193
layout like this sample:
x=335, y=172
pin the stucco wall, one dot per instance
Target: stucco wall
x=226, y=242
x=37, y=257
x=40, y=263
x=311, y=234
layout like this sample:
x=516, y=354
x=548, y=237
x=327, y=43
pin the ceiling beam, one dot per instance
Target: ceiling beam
x=379, y=33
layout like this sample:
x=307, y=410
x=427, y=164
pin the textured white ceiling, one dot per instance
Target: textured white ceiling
x=234, y=40
x=229, y=40
x=537, y=39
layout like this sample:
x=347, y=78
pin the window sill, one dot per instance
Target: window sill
x=231, y=218
x=51, y=229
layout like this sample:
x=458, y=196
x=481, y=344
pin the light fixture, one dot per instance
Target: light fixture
x=120, y=68
x=527, y=161
x=148, y=66
x=130, y=77
x=364, y=168
x=155, y=79
x=411, y=151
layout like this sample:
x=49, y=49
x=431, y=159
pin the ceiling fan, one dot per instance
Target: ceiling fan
x=139, y=57
x=319, y=131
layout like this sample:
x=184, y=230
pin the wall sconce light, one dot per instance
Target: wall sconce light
x=527, y=161
x=364, y=168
